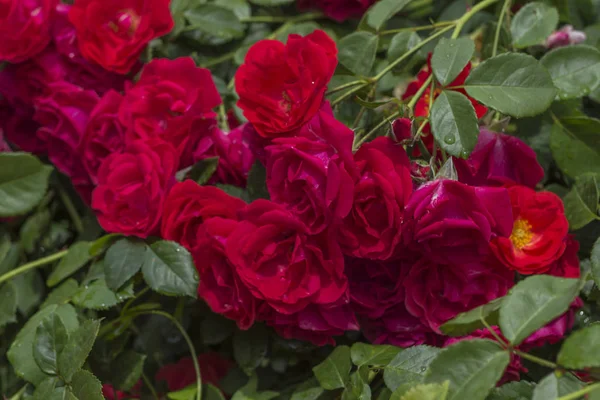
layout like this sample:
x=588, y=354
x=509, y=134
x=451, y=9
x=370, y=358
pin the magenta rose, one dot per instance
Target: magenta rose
x=449, y=221
x=317, y=324
x=436, y=293
x=339, y=10
x=220, y=284
x=132, y=187
x=375, y=286
x=280, y=263
x=104, y=134
x=372, y=229
x=24, y=28
x=499, y=159
x=311, y=173
x=172, y=100
x=63, y=116
x=233, y=150
x=398, y=327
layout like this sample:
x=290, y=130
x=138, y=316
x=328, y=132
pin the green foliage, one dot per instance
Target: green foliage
x=450, y=56
x=357, y=52
x=76, y=258
x=334, y=372
x=575, y=70
x=250, y=347
x=409, y=366
x=168, y=268
x=373, y=355
x=581, y=349
x=469, y=321
x=122, y=261
x=532, y=24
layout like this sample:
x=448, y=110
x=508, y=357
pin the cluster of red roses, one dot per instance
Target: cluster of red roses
x=348, y=241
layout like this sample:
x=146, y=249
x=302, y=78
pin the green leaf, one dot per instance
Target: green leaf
x=572, y=156
x=473, y=367
x=581, y=349
x=215, y=329
x=234, y=191
x=371, y=104
x=581, y=203
x=250, y=347
x=521, y=390
x=583, y=128
x=98, y=296
x=532, y=303
x=595, y=261
x=169, y=269
x=454, y=123
x=30, y=289
x=470, y=321
x=309, y=390
x=33, y=229
x=240, y=8
x=20, y=353
x=23, y=183
x=450, y=57
x=357, y=52
x=409, y=366
x=203, y=170
x=431, y=391
x=216, y=21
x=50, y=339
x=334, y=372
x=130, y=367
x=373, y=355
x=62, y=294
x=249, y=392
x=575, y=70
x=77, y=257
x=271, y=3
x=512, y=83
x=123, y=260
x=85, y=385
x=209, y=392
x=99, y=245
x=45, y=389
x=382, y=11
x=8, y=304
x=74, y=354
x=257, y=182
x=401, y=43
x=552, y=387
x=533, y=24
x=357, y=388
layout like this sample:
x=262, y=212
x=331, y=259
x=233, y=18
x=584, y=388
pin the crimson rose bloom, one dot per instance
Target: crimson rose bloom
x=213, y=368
x=450, y=221
x=339, y=10
x=311, y=173
x=281, y=86
x=317, y=323
x=188, y=205
x=104, y=135
x=499, y=159
x=113, y=33
x=24, y=28
x=63, y=117
x=233, y=150
x=436, y=293
x=132, y=187
x=539, y=232
x=279, y=263
x=567, y=266
x=172, y=100
x=372, y=228
x=220, y=284
x=398, y=327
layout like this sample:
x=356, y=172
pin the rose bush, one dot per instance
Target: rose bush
x=299, y=199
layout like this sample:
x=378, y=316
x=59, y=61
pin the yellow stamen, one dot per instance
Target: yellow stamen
x=521, y=234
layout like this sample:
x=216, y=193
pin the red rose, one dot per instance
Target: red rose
x=213, y=368
x=402, y=128
x=339, y=10
x=24, y=28
x=104, y=134
x=539, y=232
x=4, y=147
x=436, y=293
x=188, y=205
x=310, y=173
x=555, y=330
x=450, y=221
x=132, y=187
x=567, y=266
x=375, y=286
x=316, y=323
x=514, y=368
x=63, y=116
x=113, y=33
x=398, y=327
x=499, y=159
x=281, y=86
x=172, y=100
x=233, y=150
x=220, y=284
x=372, y=228
x=279, y=263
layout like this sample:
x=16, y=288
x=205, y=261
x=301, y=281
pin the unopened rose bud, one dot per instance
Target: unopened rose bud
x=402, y=128
x=564, y=37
